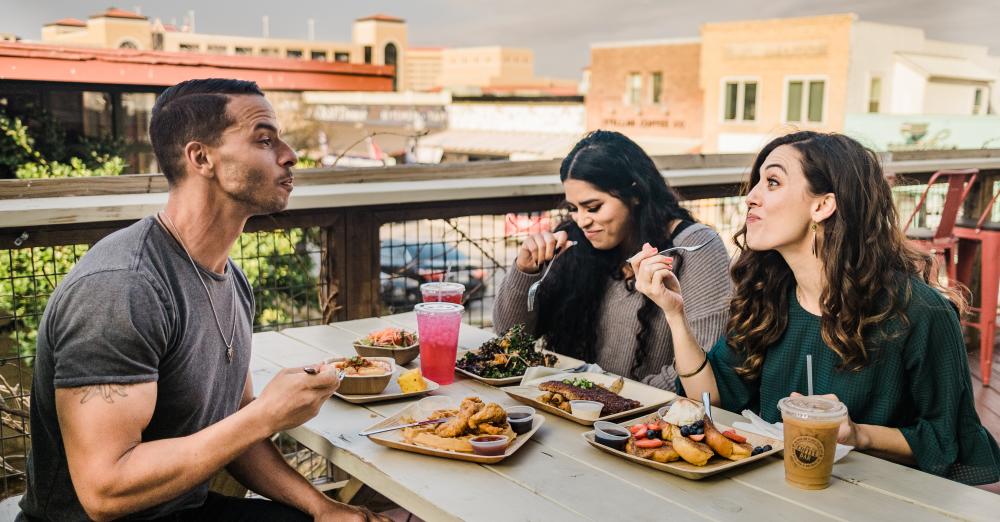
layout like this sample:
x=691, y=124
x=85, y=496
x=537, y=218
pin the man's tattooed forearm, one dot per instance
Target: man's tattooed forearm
x=104, y=391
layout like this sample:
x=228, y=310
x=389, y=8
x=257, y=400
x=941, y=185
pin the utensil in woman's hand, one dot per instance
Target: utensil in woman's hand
x=533, y=289
x=674, y=249
x=706, y=400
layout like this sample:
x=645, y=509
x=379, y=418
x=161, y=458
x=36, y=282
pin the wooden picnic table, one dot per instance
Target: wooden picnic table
x=559, y=476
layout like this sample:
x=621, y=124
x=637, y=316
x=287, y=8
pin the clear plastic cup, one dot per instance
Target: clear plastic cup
x=587, y=410
x=442, y=292
x=811, y=425
x=438, y=325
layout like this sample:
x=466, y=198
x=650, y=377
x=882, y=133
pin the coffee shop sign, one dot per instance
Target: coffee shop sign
x=380, y=115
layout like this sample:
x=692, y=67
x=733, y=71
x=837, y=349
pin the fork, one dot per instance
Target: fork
x=533, y=289
x=675, y=249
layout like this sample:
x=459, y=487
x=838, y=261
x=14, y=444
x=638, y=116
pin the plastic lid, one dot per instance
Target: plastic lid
x=812, y=408
x=442, y=287
x=438, y=308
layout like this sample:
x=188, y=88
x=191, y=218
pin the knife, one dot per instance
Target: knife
x=391, y=428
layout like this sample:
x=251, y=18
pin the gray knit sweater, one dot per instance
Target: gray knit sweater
x=705, y=285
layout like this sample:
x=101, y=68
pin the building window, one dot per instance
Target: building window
x=341, y=57
x=874, y=94
x=318, y=55
x=657, y=87
x=189, y=47
x=128, y=44
x=977, y=100
x=244, y=51
x=633, y=89
x=217, y=49
x=740, y=98
x=805, y=98
x=293, y=53
x=269, y=51
x=368, y=54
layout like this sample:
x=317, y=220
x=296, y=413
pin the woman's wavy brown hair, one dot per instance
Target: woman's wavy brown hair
x=867, y=261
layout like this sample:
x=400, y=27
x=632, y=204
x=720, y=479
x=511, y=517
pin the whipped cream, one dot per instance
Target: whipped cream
x=684, y=412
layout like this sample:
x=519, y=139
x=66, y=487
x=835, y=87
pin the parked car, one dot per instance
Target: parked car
x=428, y=261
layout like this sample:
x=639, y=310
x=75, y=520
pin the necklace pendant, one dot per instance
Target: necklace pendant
x=229, y=354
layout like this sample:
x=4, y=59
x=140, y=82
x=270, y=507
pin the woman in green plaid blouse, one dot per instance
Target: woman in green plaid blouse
x=824, y=269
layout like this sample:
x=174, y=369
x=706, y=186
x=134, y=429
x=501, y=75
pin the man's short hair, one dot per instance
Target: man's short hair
x=193, y=110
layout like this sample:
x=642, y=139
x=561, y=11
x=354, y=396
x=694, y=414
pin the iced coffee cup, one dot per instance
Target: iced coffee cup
x=811, y=426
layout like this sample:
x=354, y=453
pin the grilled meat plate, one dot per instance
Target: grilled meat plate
x=613, y=403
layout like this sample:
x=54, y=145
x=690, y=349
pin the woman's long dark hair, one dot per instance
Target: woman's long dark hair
x=867, y=261
x=572, y=295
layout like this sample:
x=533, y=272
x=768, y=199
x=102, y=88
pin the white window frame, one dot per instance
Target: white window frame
x=628, y=89
x=805, y=79
x=868, y=93
x=741, y=81
x=652, y=88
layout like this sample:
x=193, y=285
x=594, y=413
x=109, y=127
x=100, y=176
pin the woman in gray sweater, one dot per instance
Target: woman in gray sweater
x=587, y=307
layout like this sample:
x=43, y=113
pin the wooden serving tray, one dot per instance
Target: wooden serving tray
x=651, y=398
x=394, y=439
x=690, y=471
x=565, y=362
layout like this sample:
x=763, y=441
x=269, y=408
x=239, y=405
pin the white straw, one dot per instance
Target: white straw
x=809, y=373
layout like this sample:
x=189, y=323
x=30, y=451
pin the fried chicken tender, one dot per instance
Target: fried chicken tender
x=460, y=424
x=491, y=420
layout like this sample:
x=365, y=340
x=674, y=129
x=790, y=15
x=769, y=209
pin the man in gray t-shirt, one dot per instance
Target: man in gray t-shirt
x=141, y=389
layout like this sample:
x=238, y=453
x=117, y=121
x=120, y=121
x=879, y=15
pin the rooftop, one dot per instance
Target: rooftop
x=114, y=12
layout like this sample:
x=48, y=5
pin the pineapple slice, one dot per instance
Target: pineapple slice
x=412, y=381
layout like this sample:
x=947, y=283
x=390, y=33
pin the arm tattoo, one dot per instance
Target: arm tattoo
x=104, y=391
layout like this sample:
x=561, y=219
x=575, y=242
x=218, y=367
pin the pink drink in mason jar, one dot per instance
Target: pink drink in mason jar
x=442, y=292
x=438, y=324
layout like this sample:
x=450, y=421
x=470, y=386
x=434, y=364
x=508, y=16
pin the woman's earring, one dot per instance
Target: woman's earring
x=815, y=226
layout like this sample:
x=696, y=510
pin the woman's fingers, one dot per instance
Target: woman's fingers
x=561, y=239
x=548, y=245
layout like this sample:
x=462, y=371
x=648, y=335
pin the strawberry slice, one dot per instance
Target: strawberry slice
x=733, y=436
x=697, y=438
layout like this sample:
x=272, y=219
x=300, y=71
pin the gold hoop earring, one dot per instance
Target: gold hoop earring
x=814, y=227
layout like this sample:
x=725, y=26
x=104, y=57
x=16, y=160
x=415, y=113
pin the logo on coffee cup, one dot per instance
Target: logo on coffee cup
x=807, y=452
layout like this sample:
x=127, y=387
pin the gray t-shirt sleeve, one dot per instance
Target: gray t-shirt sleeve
x=109, y=327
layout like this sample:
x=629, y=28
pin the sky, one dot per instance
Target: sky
x=558, y=31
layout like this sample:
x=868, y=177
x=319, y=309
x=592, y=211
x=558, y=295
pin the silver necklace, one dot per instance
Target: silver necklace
x=211, y=302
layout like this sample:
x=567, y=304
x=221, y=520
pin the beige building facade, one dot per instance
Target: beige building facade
x=649, y=91
x=889, y=86
x=763, y=78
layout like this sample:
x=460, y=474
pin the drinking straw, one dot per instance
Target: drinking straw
x=447, y=270
x=809, y=373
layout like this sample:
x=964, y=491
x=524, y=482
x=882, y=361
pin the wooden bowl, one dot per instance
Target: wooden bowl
x=366, y=384
x=402, y=354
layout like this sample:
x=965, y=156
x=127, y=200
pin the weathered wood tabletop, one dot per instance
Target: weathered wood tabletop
x=558, y=476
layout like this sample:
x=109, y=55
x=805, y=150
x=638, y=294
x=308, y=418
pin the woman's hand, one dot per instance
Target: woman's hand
x=655, y=279
x=850, y=433
x=539, y=248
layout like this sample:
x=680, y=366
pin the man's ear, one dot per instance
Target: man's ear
x=824, y=207
x=198, y=160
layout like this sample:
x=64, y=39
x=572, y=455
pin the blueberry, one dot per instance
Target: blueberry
x=652, y=434
x=685, y=431
x=766, y=447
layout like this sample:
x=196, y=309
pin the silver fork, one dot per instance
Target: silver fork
x=533, y=289
x=677, y=248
